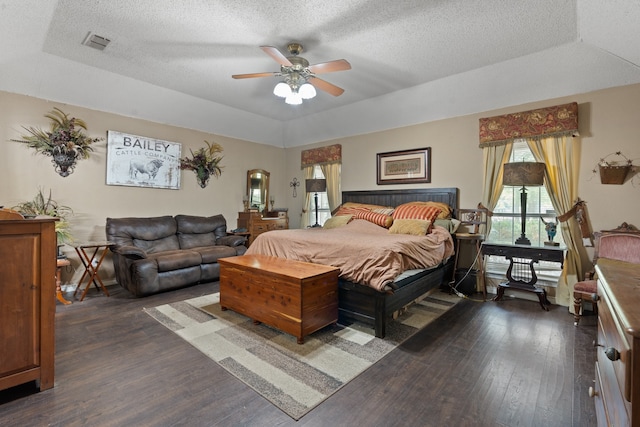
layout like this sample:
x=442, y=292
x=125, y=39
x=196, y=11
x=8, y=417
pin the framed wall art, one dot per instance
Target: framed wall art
x=140, y=161
x=404, y=167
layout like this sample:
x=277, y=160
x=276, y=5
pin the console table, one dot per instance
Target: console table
x=521, y=274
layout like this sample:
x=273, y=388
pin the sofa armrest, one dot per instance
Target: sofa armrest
x=231, y=241
x=130, y=252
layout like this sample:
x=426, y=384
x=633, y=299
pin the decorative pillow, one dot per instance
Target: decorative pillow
x=342, y=211
x=445, y=208
x=337, y=221
x=365, y=206
x=385, y=211
x=450, y=224
x=377, y=218
x=413, y=211
x=415, y=227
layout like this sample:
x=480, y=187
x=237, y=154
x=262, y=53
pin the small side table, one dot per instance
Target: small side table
x=91, y=271
x=521, y=274
x=61, y=262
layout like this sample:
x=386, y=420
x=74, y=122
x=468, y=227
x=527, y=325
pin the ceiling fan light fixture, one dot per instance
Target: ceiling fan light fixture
x=282, y=90
x=293, y=99
x=307, y=91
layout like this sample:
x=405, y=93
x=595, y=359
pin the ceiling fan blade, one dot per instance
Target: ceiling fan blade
x=331, y=66
x=326, y=86
x=252, y=75
x=277, y=55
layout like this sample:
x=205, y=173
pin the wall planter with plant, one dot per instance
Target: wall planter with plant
x=205, y=162
x=64, y=142
x=614, y=170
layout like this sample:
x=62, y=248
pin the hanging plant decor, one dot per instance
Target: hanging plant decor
x=205, y=162
x=614, y=171
x=64, y=142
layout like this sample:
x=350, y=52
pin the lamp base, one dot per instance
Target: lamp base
x=551, y=243
x=522, y=240
x=316, y=225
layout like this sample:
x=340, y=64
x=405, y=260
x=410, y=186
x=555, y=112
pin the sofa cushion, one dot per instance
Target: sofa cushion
x=153, y=234
x=175, y=260
x=199, y=231
x=211, y=254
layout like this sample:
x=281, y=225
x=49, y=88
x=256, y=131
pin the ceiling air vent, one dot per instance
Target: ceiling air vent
x=95, y=41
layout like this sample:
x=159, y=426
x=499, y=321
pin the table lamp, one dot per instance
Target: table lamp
x=316, y=186
x=524, y=174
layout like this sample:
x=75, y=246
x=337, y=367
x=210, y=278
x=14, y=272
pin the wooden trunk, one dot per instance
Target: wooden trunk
x=296, y=297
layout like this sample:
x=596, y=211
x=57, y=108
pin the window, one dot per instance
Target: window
x=324, y=213
x=506, y=220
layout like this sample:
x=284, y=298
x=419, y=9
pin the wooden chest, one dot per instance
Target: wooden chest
x=617, y=386
x=296, y=297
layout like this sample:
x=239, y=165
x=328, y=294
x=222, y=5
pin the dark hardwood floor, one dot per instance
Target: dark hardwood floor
x=505, y=363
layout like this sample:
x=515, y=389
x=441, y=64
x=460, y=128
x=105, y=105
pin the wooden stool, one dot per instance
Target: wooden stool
x=61, y=262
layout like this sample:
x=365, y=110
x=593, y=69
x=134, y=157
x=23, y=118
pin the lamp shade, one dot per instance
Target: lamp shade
x=316, y=185
x=519, y=174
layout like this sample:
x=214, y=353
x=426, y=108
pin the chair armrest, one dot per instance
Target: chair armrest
x=231, y=241
x=589, y=275
x=131, y=252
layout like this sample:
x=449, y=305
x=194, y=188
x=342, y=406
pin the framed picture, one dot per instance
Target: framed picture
x=139, y=161
x=404, y=167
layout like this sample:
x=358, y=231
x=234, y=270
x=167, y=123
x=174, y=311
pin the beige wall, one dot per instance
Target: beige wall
x=86, y=192
x=609, y=122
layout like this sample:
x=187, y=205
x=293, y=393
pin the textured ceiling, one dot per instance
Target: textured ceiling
x=412, y=61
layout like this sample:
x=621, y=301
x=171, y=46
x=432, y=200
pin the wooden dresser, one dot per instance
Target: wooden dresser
x=256, y=224
x=27, y=302
x=617, y=383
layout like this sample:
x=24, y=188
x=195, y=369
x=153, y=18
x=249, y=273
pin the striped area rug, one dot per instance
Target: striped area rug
x=296, y=378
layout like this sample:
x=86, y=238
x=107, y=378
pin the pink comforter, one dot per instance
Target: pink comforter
x=365, y=253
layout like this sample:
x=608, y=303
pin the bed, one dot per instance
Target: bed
x=371, y=295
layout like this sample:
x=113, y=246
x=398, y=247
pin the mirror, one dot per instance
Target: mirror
x=258, y=189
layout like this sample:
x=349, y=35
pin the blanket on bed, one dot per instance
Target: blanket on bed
x=364, y=252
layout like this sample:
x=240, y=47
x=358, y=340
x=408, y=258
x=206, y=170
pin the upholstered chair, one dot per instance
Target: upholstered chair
x=623, y=244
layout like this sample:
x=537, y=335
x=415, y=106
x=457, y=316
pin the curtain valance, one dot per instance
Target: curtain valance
x=551, y=121
x=322, y=155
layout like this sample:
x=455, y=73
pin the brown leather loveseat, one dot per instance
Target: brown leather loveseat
x=156, y=254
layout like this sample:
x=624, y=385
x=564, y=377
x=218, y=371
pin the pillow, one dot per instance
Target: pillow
x=450, y=224
x=341, y=211
x=415, y=227
x=445, y=208
x=377, y=218
x=386, y=211
x=413, y=211
x=337, y=221
x=364, y=206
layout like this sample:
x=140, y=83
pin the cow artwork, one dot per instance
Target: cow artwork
x=150, y=168
x=142, y=162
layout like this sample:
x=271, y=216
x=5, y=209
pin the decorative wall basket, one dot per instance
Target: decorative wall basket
x=614, y=174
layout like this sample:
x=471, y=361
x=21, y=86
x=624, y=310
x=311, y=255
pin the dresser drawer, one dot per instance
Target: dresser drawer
x=612, y=336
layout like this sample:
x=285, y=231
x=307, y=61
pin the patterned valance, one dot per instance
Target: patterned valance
x=322, y=155
x=557, y=120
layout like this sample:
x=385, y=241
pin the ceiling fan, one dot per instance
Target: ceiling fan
x=300, y=78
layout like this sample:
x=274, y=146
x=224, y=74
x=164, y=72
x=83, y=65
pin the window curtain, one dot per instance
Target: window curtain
x=307, y=173
x=331, y=172
x=330, y=159
x=494, y=156
x=550, y=135
x=561, y=156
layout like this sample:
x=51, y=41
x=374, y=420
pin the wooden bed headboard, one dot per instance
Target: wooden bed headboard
x=397, y=197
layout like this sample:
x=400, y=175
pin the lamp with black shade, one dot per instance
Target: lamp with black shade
x=523, y=174
x=316, y=186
